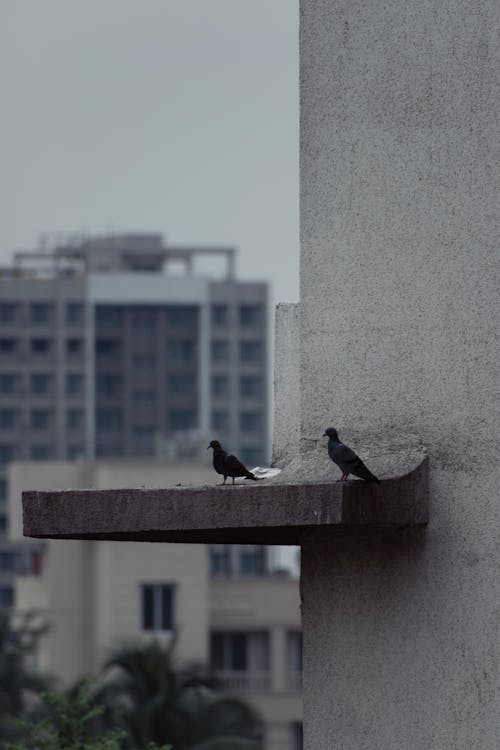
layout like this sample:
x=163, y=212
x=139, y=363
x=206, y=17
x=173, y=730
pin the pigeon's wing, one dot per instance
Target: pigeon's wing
x=345, y=457
x=218, y=461
x=234, y=467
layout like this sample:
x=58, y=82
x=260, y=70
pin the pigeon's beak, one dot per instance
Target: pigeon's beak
x=208, y=447
x=325, y=434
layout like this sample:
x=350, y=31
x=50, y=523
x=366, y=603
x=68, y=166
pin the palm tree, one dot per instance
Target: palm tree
x=157, y=700
x=19, y=686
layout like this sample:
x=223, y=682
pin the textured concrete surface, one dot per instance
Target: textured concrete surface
x=263, y=512
x=286, y=429
x=400, y=229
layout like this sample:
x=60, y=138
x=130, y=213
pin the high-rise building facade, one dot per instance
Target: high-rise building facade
x=105, y=351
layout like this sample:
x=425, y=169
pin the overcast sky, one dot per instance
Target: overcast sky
x=178, y=116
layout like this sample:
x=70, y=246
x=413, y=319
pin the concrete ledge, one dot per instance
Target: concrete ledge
x=265, y=512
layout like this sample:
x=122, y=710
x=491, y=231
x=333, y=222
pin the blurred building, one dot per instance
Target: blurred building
x=234, y=607
x=107, y=350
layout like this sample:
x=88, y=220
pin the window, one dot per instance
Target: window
x=41, y=346
x=220, y=420
x=181, y=385
x=144, y=363
x=108, y=315
x=108, y=386
x=6, y=596
x=220, y=351
x=8, y=383
x=73, y=452
x=220, y=559
x=74, y=346
x=220, y=385
x=74, y=384
x=40, y=419
x=144, y=322
x=107, y=347
x=74, y=419
x=40, y=313
x=251, y=455
x=250, y=421
x=250, y=315
x=108, y=419
x=8, y=419
x=251, y=559
x=157, y=606
x=181, y=419
x=8, y=562
x=144, y=397
x=8, y=345
x=182, y=315
x=293, y=658
x=8, y=312
x=241, y=658
x=40, y=384
x=220, y=315
x=181, y=350
x=7, y=453
x=250, y=385
x=237, y=559
x=250, y=351
x=297, y=735
x=40, y=452
x=74, y=313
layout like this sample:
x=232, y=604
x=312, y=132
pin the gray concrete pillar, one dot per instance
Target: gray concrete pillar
x=400, y=228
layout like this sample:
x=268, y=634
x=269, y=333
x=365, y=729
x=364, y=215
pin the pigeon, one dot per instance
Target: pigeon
x=346, y=459
x=227, y=464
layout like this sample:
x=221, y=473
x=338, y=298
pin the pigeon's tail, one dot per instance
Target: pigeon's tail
x=249, y=475
x=363, y=472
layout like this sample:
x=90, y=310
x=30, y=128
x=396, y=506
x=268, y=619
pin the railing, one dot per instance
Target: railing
x=246, y=680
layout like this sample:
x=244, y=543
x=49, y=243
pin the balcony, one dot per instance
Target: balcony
x=245, y=679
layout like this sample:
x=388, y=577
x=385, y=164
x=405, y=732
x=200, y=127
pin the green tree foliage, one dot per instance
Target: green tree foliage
x=18, y=685
x=157, y=700
x=70, y=724
x=143, y=700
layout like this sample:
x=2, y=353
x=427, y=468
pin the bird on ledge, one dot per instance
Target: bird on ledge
x=345, y=458
x=228, y=465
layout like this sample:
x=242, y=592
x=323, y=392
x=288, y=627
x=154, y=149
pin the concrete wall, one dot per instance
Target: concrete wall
x=286, y=434
x=400, y=225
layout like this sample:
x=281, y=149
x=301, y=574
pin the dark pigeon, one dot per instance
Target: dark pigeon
x=345, y=458
x=227, y=464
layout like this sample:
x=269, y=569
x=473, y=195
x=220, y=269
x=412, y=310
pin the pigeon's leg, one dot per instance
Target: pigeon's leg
x=233, y=480
x=225, y=477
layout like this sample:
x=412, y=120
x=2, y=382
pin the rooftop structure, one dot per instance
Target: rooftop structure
x=117, y=252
